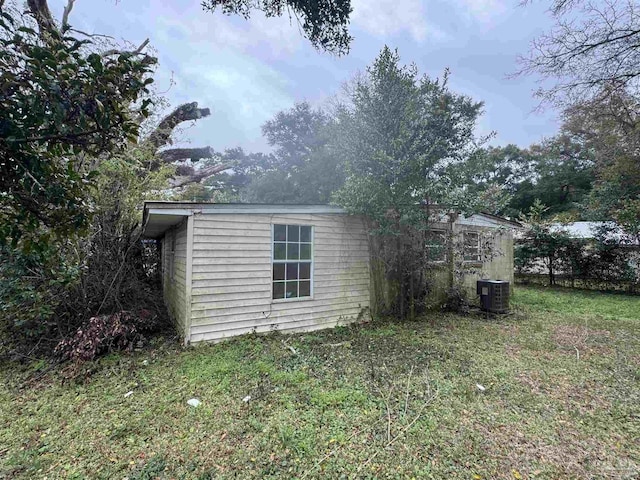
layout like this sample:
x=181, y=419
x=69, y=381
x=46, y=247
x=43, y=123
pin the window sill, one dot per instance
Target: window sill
x=289, y=300
x=473, y=263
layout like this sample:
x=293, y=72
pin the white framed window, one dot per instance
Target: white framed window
x=472, y=249
x=436, y=245
x=292, y=261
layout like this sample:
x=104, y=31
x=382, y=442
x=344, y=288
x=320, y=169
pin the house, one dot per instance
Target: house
x=590, y=230
x=231, y=269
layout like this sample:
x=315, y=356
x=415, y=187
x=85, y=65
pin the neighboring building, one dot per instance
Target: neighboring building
x=589, y=231
x=231, y=269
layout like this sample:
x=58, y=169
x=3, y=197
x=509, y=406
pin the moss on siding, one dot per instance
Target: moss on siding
x=440, y=276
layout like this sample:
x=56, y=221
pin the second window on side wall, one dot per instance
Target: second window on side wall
x=472, y=250
x=292, y=261
x=436, y=245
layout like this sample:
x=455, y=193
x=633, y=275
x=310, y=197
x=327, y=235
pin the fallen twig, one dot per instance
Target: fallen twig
x=406, y=398
x=402, y=433
x=291, y=349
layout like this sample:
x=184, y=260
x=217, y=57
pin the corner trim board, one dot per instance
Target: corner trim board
x=189, y=279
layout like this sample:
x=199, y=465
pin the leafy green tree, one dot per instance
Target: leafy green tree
x=559, y=170
x=324, y=22
x=609, y=130
x=64, y=100
x=401, y=138
x=544, y=244
x=498, y=173
x=303, y=168
x=561, y=174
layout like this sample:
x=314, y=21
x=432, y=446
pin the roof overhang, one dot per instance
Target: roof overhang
x=158, y=217
x=490, y=220
x=159, y=220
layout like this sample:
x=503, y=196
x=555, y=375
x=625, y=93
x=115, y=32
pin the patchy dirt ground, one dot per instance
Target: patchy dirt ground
x=549, y=392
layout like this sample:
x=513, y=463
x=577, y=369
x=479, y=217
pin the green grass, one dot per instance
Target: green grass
x=386, y=400
x=580, y=302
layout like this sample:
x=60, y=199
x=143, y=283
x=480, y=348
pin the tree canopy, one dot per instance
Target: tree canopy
x=324, y=22
x=304, y=167
x=63, y=102
x=401, y=135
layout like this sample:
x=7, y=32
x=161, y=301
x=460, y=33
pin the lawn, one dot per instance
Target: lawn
x=550, y=391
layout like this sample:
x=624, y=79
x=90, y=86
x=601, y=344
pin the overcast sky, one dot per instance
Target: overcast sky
x=246, y=71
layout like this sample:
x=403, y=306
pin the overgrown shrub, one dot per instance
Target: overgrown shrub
x=48, y=294
x=32, y=288
x=456, y=300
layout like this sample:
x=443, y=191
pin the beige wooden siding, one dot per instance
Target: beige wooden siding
x=175, y=288
x=231, y=280
x=497, y=266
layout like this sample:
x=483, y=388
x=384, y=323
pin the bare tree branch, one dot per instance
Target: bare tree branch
x=595, y=49
x=197, y=176
x=137, y=51
x=91, y=35
x=182, y=154
x=161, y=136
x=65, y=14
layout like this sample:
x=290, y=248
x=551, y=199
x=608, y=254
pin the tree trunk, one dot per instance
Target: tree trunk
x=400, y=269
x=412, y=297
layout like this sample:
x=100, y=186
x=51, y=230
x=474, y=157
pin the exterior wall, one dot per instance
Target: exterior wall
x=231, y=287
x=499, y=266
x=440, y=275
x=175, y=291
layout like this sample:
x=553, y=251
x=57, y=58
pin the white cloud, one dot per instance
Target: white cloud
x=219, y=61
x=484, y=12
x=392, y=17
x=276, y=35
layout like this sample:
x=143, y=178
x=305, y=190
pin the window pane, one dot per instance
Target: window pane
x=305, y=289
x=278, y=271
x=294, y=233
x=292, y=289
x=289, y=243
x=292, y=271
x=279, y=233
x=305, y=234
x=471, y=239
x=472, y=246
x=305, y=270
x=293, y=251
x=436, y=245
x=305, y=251
x=436, y=253
x=279, y=251
x=278, y=290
